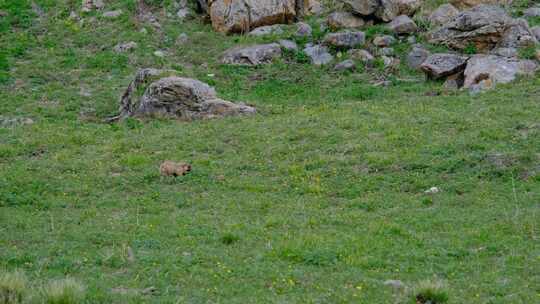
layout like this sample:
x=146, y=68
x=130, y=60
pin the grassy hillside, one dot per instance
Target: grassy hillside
x=319, y=198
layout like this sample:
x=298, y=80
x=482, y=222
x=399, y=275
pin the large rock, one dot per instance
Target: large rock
x=402, y=25
x=485, y=71
x=346, y=39
x=275, y=29
x=318, y=54
x=518, y=35
x=443, y=14
x=252, y=55
x=175, y=97
x=465, y=4
x=391, y=9
x=344, y=20
x=240, y=16
x=482, y=26
x=532, y=12
x=437, y=66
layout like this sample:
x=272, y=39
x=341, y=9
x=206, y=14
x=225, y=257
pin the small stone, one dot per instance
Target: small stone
x=384, y=41
x=536, y=32
x=395, y=284
x=432, y=190
x=387, y=51
x=113, y=14
x=288, y=45
x=252, y=55
x=125, y=47
x=267, y=30
x=346, y=39
x=182, y=39
x=160, y=54
x=403, y=25
x=411, y=39
x=344, y=20
x=318, y=54
x=345, y=65
x=183, y=13
x=362, y=55
x=303, y=30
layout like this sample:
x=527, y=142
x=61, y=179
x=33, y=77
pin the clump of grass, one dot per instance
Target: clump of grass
x=66, y=291
x=229, y=238
x=527, y=52
x=432, y=292
x=13, y=287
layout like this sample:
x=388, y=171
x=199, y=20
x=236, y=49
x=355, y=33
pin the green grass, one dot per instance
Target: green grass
x=319, y=198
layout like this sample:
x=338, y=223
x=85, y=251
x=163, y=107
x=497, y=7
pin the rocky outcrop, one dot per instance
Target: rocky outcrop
x=90, y=5
x=175, y=97
x=252, y=55
x=275, y=29
x=385, y=10
x=518, y=35
x=465, y=4
x=485, y=71
x=482, y=26
x=437, y=66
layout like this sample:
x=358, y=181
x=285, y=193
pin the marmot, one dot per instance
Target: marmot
x=170, y=168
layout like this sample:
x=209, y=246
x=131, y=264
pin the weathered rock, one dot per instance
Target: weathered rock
x=344, y=20
x=346, y=39
x=532, y=12
x=183, y=38
x=308, y=7
x=252, y=55
x=485, y=71
x=482, y=26
x=90, y=5
x=416, y=57
x=362, y=55
x=505, y=52
x=303, y=29
x=536, y=31
x=437, y=66
x=113, y=14
x=466, y=4
x=288, y=45
x=388, y=10
x=318, y=54
x=363, y=7
x=384, y=41
x=10, y=122
x=390, y=62
x=518, y=35
x=240, y=16
x=125, y=47
x=175, y=97
x=443, y=14
x=275, y=29
x=402, y=25
x=345, y=65
x=411, y=39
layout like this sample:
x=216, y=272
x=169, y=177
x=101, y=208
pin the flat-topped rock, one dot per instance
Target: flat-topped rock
x=439, y=65
x=252, y=55
x=344, y=20
x=318, y=54
x=346, y=39
x=402, y=25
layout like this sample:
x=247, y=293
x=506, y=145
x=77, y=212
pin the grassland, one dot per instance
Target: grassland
x=319, y=198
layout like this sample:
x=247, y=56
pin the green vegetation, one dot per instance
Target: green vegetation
x=319, y=198
x=13, y=287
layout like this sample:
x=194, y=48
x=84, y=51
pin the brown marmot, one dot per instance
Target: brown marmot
x=170, y=168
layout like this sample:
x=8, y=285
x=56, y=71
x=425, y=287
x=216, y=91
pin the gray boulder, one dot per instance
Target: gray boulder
x=113, y=14
x=252, y=55
x=416, y=57
x=536, y=31
x=344, y=20
x=402, y=25
x=175, y=97
x=388, y=10
x=443, y=14
x=303, y=29
x=437, y=66
x=90, y=5
x=482, y=26
x=125, y=47
x=346, y=39
x=532, y=12
x=518, y=35
x=288, y=45
x=505, y=52
x=363, y=7
x=318, y=54
x=485, y=71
